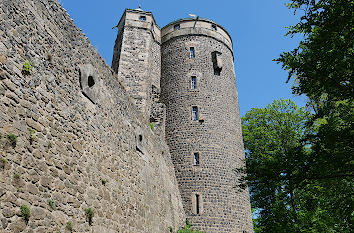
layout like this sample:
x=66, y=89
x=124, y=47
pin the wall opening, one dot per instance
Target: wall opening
x=217, y=62
x=213, y=26
x=142, y=18
x=194, y=113
x=196, y=159
x=194, y=82
x=90, y=81
x=177, y=26
x=191, y=52
x=197, y=204
x=140, y=138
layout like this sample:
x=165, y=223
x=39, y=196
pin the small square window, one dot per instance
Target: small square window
x=177, y=26
x=213, y=26
x=194, y=82
x=194, y=113
x=142, y=18
x=191, y=52
x=196, y=159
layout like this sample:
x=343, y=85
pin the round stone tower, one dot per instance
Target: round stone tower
x=203, y=126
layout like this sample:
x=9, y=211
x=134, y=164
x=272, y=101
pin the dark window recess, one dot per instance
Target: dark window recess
x=213, y=26
x=90, y=81
x=191, y=52
x=217, y=62
x=194, y=83
x=142, y=18
x=177, y=26
x=196, y=159
x=140, y=138
x=194, y=113
x=197, y=202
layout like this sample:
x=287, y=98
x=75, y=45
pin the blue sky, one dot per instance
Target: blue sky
x=257, y=28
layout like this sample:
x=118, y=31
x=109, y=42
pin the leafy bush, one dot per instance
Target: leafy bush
x=27, y=68
x=51, y=204
x=33, y=134
x=12, y=139
x=69, y=226
x=152, y=126
x=25, y=212
x=186, y=229
x=89, y=215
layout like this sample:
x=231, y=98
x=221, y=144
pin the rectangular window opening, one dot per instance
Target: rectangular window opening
x=194, y=82
x=191, y=52
x=197, y=203
x=196, y=159
x=177, y=26
x=217, y=62
x=142, y=18
x=194, y=113
x=213, y=26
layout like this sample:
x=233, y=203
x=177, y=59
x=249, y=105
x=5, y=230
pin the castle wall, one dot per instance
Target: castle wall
x=91, y=147
x=216, y=135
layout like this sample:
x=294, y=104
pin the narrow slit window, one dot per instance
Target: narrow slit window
x=194, y=82
x=142, y=18
x=191, y=52
x=194, y=113
x=177, y=26
x=197, y=203
x=196, y=159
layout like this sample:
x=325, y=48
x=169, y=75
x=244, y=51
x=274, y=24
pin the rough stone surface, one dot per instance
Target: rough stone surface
x=210, y=200
x=216, y=136
x=83, y=153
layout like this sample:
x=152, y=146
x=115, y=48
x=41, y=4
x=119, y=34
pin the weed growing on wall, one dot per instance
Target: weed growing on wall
x=27, y=68
x=12, y=139
x=69, y=226
x=33, y=134
x=152, y=126
x=51, y=204
x=89, y=215
x=25, y=212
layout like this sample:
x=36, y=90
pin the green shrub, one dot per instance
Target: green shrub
x=27, y=68
x=51, y=203
x=152, y=126
x=17, y=175
x=25, y=212
x=3, y=162
x=89, y=215
x=69, y=226
x=187, y=229
x=33, y=134
x=104, y=181
x=12, y=139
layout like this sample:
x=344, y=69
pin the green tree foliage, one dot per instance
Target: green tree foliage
x=287, y=194
x=322, y=69
x=272, y=138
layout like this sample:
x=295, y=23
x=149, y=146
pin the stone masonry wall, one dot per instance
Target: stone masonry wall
x=79, y=145
x=137, y=61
